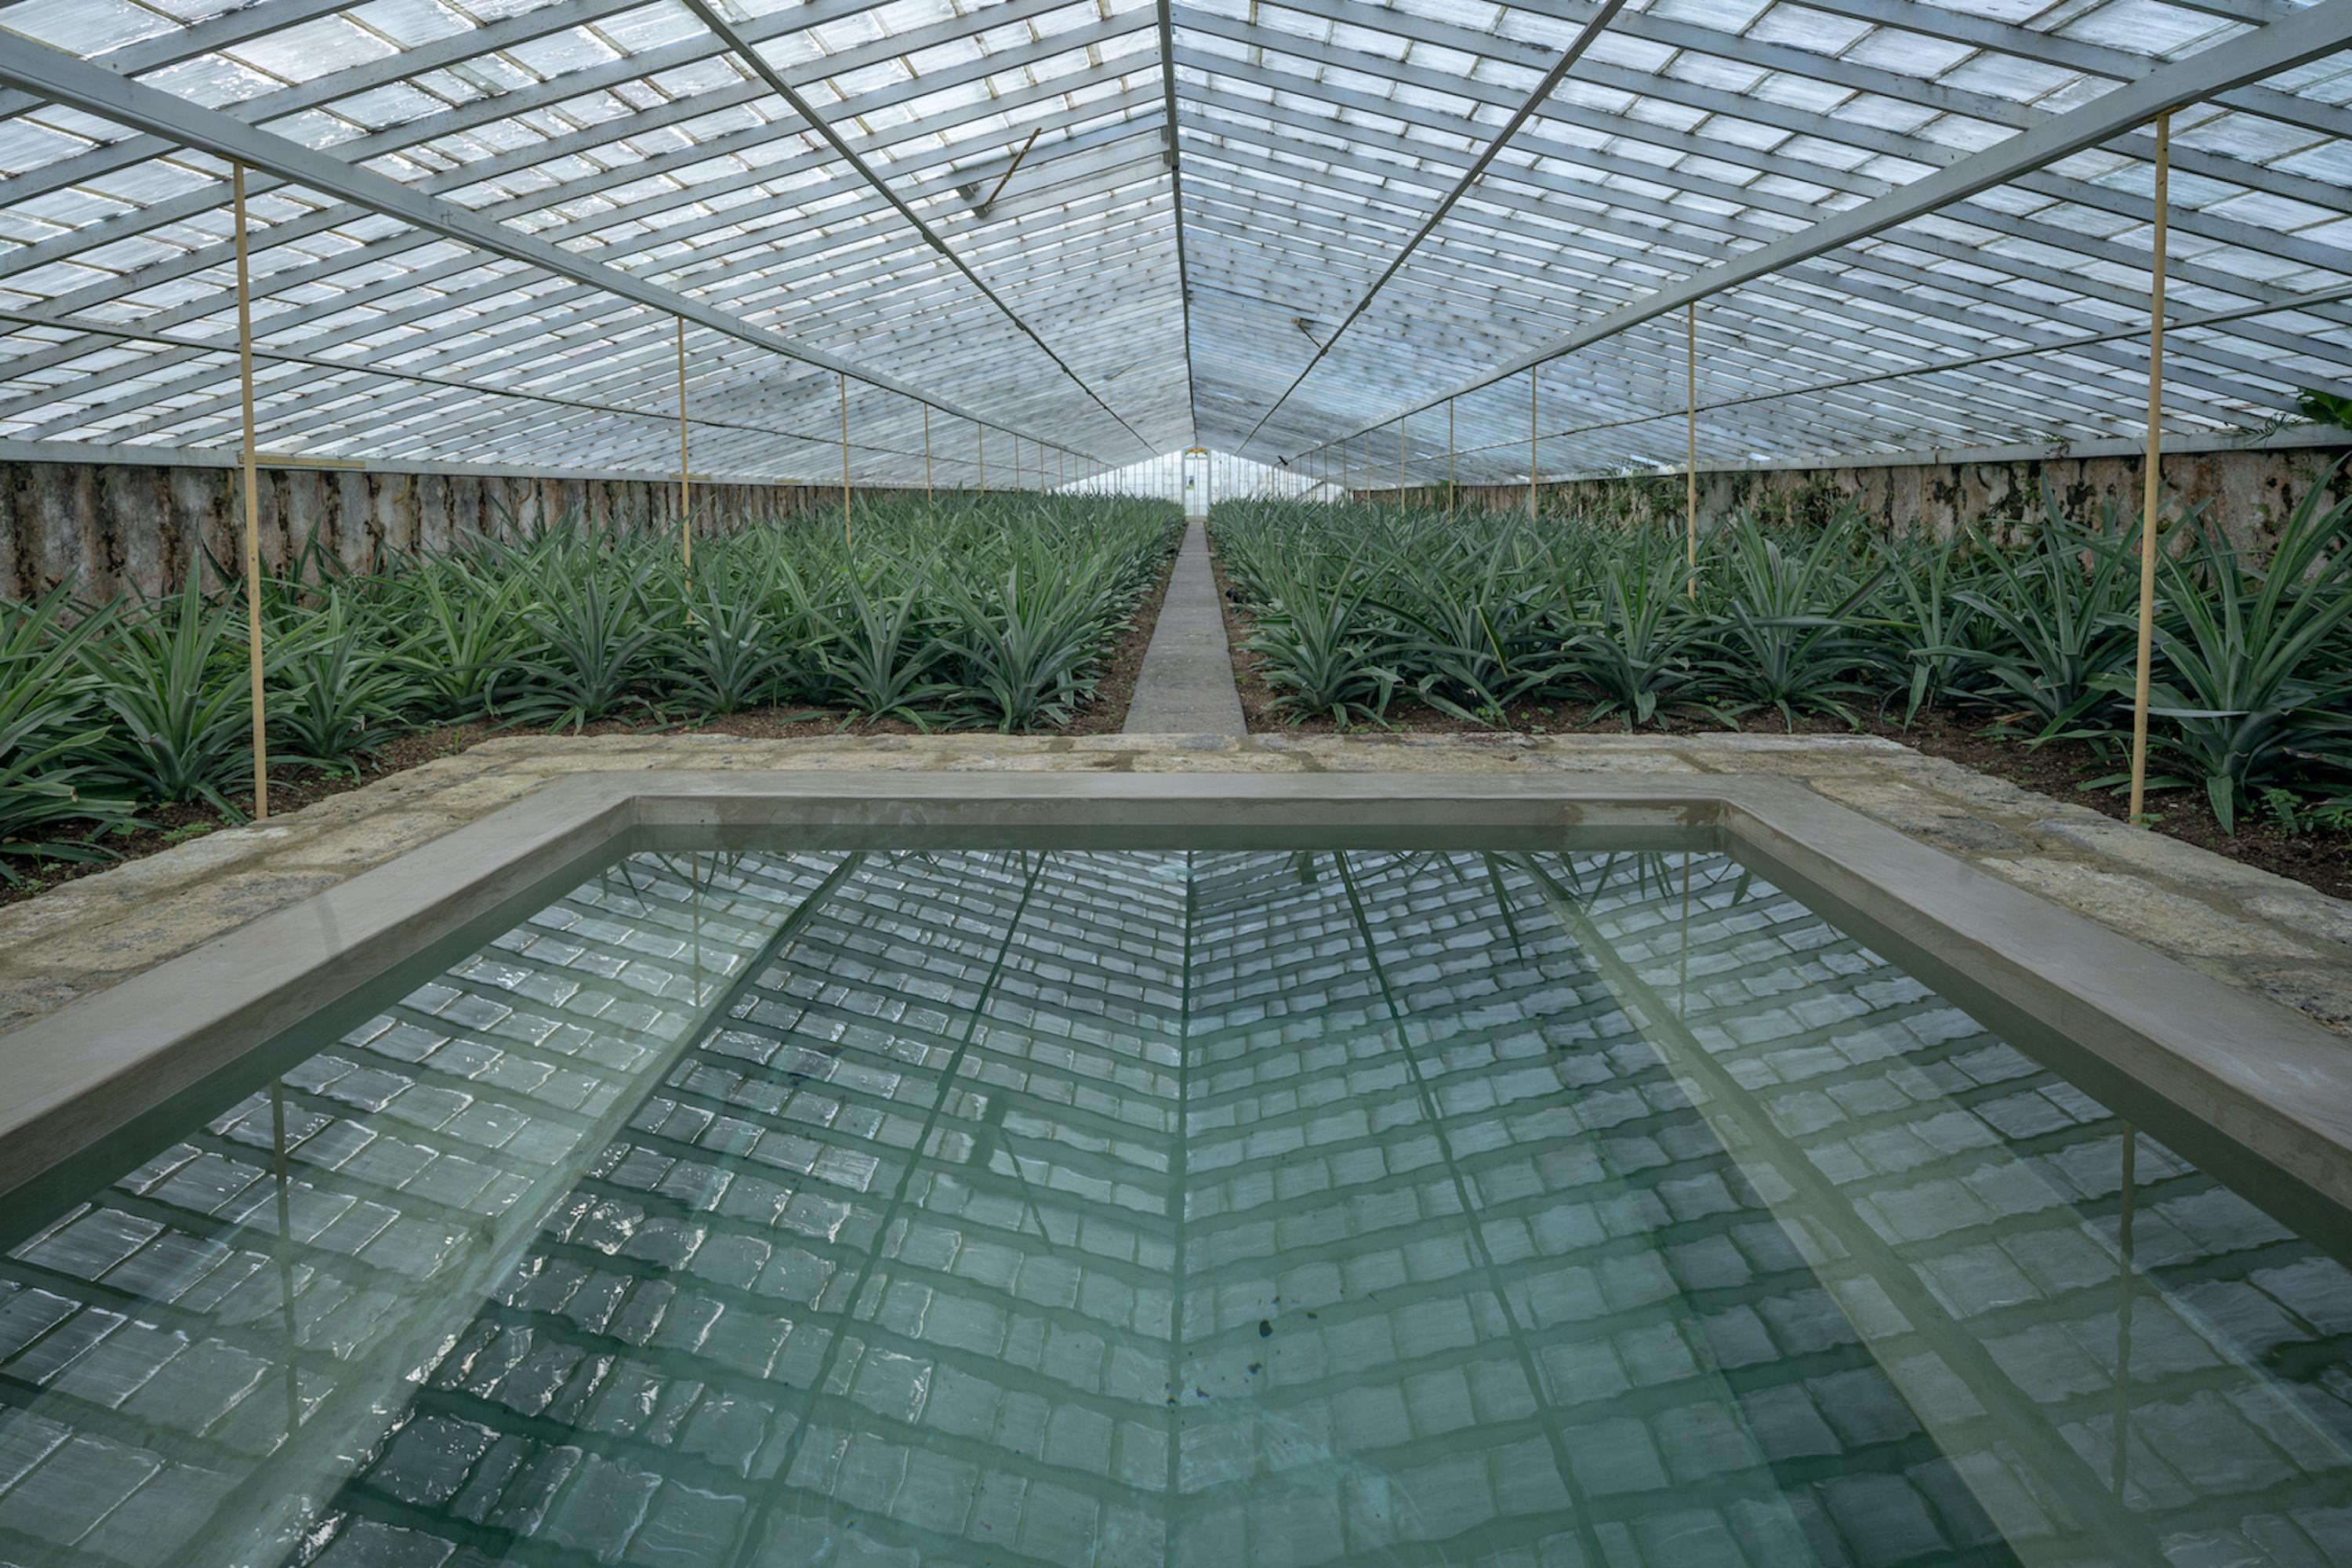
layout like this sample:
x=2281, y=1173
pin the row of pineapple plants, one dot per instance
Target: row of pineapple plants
x=2027, y=625
x=970, y=612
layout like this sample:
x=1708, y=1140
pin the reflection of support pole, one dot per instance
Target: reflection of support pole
x=1682, y=968
x=694, y=911
x=1690, y=432
x=1865, y=1258
x=252, y=503
x=2122, y=1433
x=2152, y=475
x=285, y=1258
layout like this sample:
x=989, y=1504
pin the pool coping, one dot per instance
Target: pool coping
x=2265, y=1077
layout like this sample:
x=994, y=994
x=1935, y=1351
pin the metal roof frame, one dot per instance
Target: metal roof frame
x=1270, y=226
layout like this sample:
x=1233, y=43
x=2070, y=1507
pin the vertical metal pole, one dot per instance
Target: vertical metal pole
x=1690, y=434
x=252, y=503
x=979, y=438
x=684, y=529
x=2152, y=476
x=1449, y=457
x=926, y=458
x=845, y=455
x=1532, y=373
x=1400, y=462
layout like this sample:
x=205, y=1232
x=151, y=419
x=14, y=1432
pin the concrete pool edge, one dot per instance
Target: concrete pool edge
x=2267, y=1078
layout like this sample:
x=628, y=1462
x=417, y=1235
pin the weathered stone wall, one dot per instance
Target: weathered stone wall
x=115, y=527
x=2246, y=493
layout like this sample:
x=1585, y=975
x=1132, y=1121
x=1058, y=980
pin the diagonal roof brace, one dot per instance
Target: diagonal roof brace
x=2322, y=29
x=721, y=29
x=62, y=78
x=1592, y=28
x=664, y=417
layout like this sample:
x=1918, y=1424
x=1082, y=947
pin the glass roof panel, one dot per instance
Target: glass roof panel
x=1320, y=176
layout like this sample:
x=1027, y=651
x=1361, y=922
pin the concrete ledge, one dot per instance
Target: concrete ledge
x=2270, y=1079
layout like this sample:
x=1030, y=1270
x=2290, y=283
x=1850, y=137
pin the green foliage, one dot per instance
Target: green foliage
x=993, y=611
x=593, y=627
x=174, y=675
x=51, y=733
x=2061, y=617
x=2325, y=407
x=345, y=684
x=725, y=656
x=2251, y=679
x=1024, y=650
x=2254, y=671
x=1797, y=634
x=1320, y=653
x=1637, y=658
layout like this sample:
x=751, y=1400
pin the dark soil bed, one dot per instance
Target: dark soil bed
x=1102, y=714
x=2321, y=858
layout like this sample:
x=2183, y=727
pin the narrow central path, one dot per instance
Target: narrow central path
x=1187, y=683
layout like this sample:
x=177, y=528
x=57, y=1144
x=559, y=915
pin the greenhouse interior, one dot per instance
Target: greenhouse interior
x=1073, y=783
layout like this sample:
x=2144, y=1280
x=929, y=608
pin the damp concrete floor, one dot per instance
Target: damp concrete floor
x=1186, y=685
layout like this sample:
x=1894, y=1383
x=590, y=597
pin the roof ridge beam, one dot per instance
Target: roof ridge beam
x=722, y=29
x=1167, y=33
x=1590, y=29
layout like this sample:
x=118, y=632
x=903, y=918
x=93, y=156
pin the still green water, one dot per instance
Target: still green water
x=770, y=1206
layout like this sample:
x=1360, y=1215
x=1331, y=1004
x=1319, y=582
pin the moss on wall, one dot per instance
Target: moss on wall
x=2245, y=493
x=111, y=527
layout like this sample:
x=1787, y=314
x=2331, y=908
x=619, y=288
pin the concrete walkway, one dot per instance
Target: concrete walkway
x=1187, y=683
x=2244, y=927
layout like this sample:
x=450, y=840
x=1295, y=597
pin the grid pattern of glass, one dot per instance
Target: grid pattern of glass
x=1116, y=229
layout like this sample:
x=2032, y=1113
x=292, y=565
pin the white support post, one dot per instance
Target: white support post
x=1690, y=432
x=2152, y=476
x=1533, y=371
x=252, y=463
x=685, y=514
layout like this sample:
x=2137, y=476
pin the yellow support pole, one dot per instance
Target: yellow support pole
x=685, y=524
x=2152, y=467
x=1690, y=434
x=1532, y=373
x=252, y=503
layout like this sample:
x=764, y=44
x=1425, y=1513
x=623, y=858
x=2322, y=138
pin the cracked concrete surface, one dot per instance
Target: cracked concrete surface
x=2247, y=928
